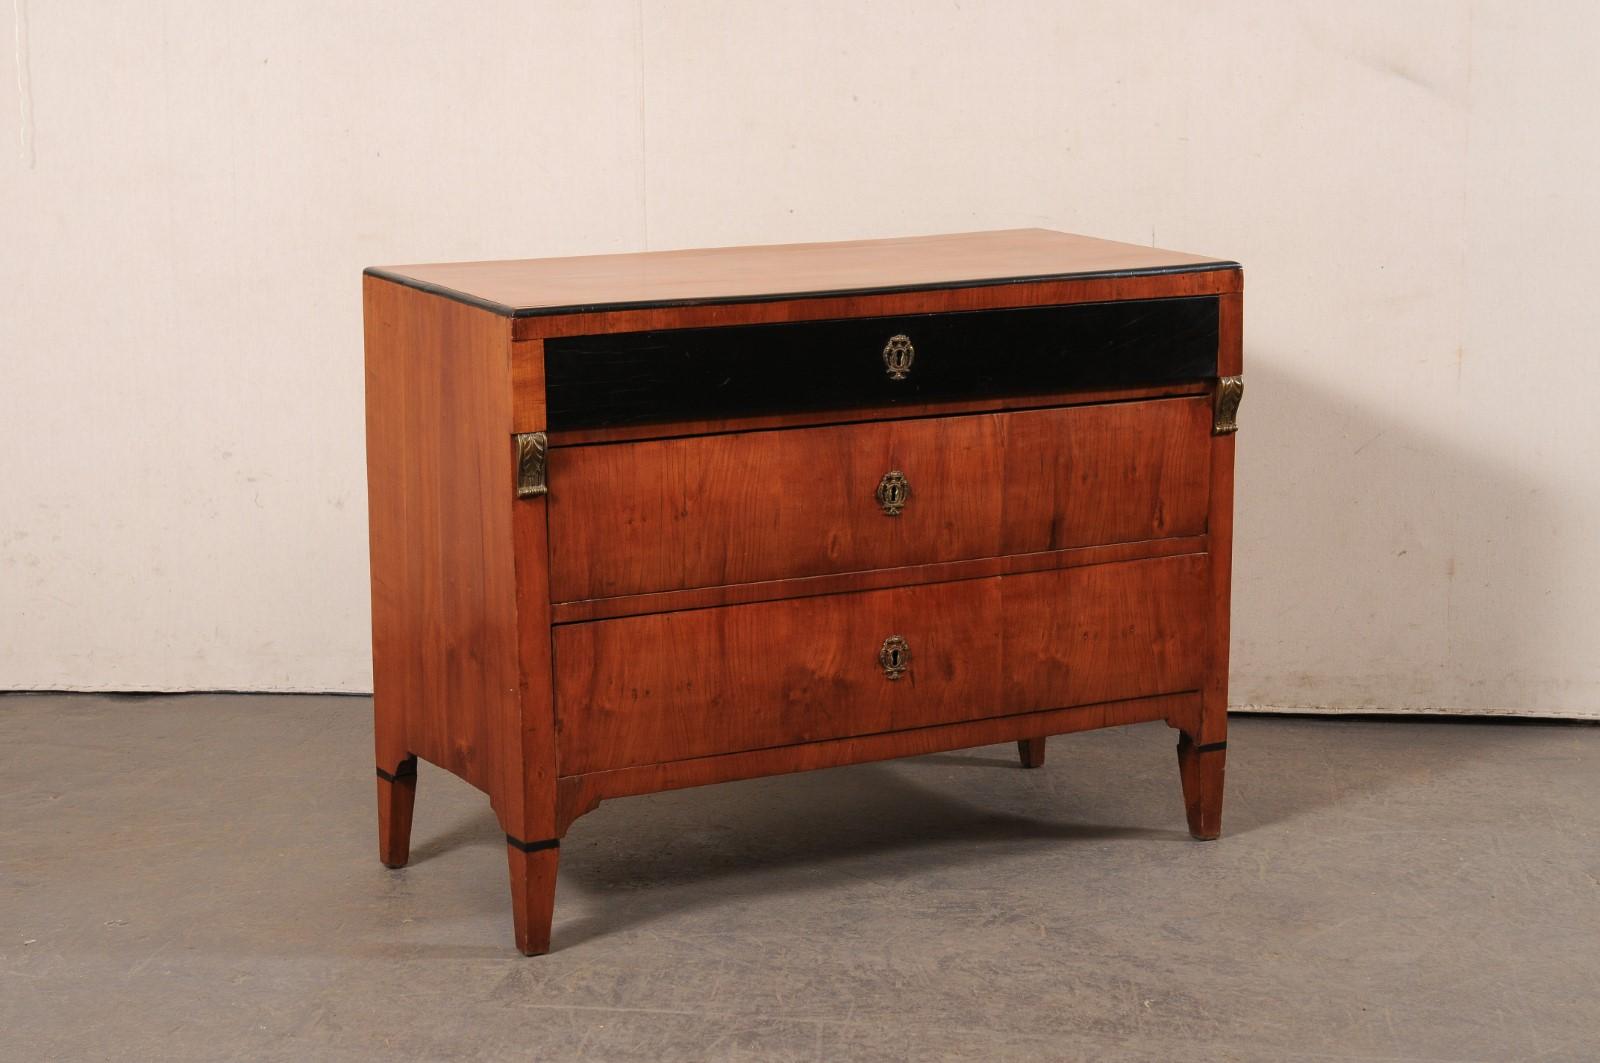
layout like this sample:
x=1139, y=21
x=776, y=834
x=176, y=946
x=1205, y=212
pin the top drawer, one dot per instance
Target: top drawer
x=738, y=371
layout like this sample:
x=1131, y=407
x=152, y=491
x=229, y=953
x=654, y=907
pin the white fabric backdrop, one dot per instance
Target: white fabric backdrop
x=190, y=191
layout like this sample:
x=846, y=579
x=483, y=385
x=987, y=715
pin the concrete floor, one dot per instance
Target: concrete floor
x=194, y=878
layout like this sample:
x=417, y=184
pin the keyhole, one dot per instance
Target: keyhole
x=894, y=657
x=893, y=492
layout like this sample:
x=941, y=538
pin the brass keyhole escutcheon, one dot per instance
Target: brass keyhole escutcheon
x=894, y=491
x=898, y=354
x=895, y=657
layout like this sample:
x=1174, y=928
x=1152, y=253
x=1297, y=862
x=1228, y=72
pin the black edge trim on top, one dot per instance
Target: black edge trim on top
x=533, y=847
x=726, y=300
x=406, y=769
x=439, y=289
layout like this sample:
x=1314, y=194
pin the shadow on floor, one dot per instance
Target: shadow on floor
x=748, y=839
x=751, y=842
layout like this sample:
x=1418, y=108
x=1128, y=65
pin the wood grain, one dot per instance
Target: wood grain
x=397, y=799
x=642, y=690
x=444, y=616
x=815, y=418
x=1230, y=329
x=705, y=599
x=1114, y=473
x=744, y=508
x=527, y=387
x=528, y=812
x=1104, y=632
x=872, y=579
x=533, y=897
x=775, y=271
x=581, y=793
x=1091, y=289
x=716, y=510
x=671, y=686
x=1202, y=749
x=1201, y=770
x=1219, y=521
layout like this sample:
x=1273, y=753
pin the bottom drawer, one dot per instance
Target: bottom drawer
x=650, y=689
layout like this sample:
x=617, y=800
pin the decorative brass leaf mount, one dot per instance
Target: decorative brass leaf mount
x=1225, y=413
x=531, y=447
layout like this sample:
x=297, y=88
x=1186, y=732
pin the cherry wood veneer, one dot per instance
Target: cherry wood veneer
x=747, y=507
x=704, y=598
x=810, y=586
x=722, y=276
x=670, y=686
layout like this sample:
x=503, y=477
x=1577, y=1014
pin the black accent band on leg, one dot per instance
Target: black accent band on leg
x=533, y=847
x=406, y=769
x=1211, y=747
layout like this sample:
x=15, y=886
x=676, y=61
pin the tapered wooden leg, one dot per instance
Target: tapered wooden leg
x=533, y=892
x=397, y=796
x=1031, y=752
x=1201, y=768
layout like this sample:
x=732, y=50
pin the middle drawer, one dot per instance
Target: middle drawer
x=632, y=518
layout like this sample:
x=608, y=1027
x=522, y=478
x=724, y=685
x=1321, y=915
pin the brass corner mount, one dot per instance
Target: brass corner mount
x=1225, y=411
x=531, y=447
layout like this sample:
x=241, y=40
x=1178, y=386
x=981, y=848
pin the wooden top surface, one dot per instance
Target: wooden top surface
x=535, y=286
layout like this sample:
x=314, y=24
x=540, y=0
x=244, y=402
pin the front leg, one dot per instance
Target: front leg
x=1201, y=769
x=533, y=891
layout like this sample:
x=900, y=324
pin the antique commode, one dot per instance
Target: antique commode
x=656, y=520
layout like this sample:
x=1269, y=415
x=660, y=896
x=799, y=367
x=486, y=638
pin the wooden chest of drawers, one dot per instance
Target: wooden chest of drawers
x=648, y=521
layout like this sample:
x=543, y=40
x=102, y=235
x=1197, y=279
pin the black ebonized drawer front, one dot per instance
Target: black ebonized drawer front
x=691, y=374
